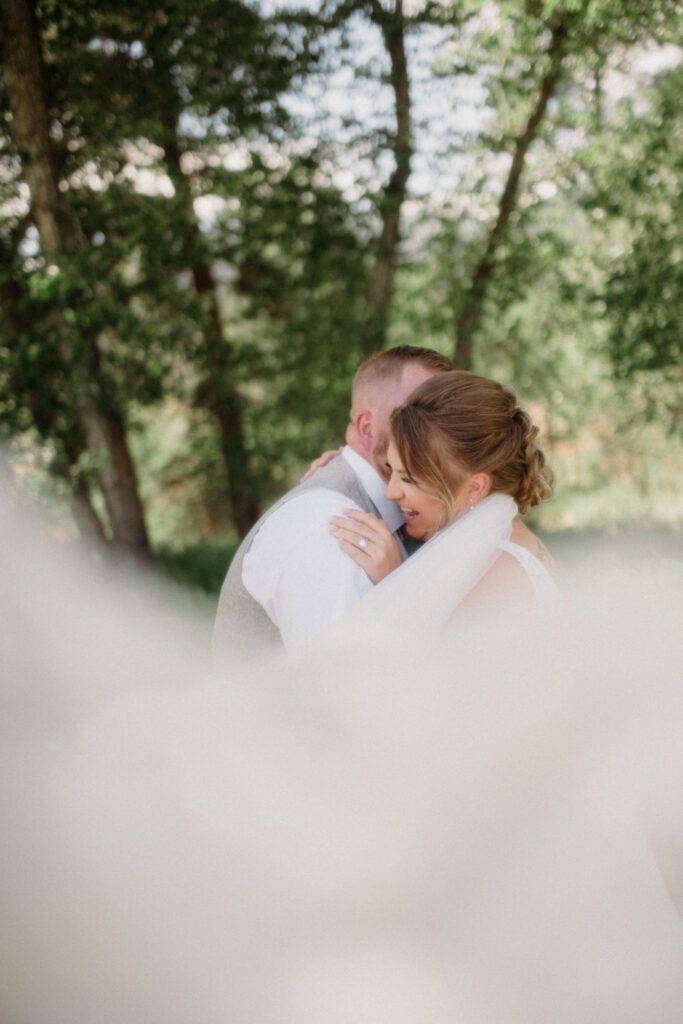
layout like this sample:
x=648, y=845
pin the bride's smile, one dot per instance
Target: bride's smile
x=423, y=512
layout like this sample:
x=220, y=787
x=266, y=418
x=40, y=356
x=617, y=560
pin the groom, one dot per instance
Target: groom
x=289, y=579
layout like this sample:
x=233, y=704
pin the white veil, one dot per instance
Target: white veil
x=450, y=837
x=419, y=597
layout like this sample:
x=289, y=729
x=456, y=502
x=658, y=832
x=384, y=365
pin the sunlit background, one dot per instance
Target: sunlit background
x=211, y=212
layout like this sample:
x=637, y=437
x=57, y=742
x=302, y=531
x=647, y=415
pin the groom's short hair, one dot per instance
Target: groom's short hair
x=387, y=367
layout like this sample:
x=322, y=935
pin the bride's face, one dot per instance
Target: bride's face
x=422, y=510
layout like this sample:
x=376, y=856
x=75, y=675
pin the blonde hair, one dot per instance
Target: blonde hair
x=456, y=424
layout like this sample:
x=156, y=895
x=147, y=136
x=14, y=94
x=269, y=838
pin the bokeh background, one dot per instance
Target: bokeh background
x=212, y=211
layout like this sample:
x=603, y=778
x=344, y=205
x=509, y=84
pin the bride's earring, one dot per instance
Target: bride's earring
x=470, y=505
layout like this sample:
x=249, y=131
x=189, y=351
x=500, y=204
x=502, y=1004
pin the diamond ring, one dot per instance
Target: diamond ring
x=363, y=543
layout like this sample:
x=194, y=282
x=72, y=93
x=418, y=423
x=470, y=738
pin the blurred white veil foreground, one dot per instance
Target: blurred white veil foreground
x=490, y=832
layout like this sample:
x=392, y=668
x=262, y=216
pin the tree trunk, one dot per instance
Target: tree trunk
x=106, y=433
x=85, y=517
x=83, y=511
x=44, y=419
x=470, y=315
x=60, y=234
x=381, y=285
x=221, y=398
x=216, y=392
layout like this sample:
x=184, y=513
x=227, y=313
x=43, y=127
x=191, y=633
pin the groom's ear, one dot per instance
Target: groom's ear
x=364, y=424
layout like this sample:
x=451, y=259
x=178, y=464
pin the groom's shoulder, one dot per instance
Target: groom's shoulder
x=337, y=477
x=327, y=492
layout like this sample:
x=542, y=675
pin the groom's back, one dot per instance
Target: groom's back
x=243, y=629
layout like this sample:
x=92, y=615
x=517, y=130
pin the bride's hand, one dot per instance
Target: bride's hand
x=318, y=463
x=368, y=541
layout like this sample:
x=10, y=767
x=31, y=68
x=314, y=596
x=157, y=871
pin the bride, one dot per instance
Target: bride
x=463, y=461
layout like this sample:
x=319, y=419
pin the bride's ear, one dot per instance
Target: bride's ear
x=479, y=487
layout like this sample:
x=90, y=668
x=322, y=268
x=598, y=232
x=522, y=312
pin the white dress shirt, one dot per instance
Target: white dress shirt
x=295, y=568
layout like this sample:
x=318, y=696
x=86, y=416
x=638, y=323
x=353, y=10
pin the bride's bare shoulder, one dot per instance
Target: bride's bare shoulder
x=526, y=538
x=505, y=587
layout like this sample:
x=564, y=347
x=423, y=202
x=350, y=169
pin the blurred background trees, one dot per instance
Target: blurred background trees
x=211, y=211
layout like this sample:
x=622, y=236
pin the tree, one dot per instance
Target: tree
x=133, y=76
x=579, y=32
x=392, y=23
x=20, y=366
x=301, y=254
x=64, y=246
x=221, y=67
x=549, y=76
x=643, y=199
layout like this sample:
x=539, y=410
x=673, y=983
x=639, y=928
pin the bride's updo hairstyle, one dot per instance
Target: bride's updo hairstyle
x=457, y=424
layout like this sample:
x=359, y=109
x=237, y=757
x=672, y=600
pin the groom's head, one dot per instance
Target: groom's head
x=381, y=383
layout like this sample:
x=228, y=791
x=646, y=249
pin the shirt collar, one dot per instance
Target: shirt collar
x=374, y=486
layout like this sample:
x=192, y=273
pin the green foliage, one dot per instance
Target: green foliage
x=220, y=63
x=644, y=292
x=162, y=113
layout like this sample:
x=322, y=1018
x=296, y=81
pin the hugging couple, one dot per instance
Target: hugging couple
x=413, y=523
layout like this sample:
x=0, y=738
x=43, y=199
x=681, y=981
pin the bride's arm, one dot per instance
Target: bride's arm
x=368, y=541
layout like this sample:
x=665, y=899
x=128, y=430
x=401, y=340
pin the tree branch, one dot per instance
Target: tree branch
x=470, y=315
x=380, y=288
